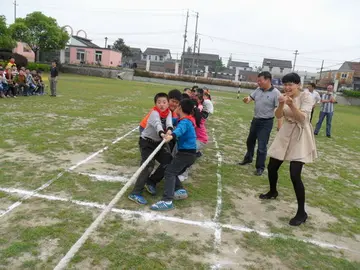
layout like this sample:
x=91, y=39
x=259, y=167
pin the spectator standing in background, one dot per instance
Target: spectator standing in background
x=327, y=110
x=54, y=73
x=315, y=95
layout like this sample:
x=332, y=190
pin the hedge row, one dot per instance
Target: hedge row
x=32, y=66
x=202, y=80
x=351, y=93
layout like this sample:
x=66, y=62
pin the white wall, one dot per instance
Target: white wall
x=276, y=70
x=156, y=58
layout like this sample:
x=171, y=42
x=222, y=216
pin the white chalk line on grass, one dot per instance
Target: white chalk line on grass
x=106, y=178
x=152, y=216
x=218, y=228
x=80, y=242
x=217, y=234
x=18, y=203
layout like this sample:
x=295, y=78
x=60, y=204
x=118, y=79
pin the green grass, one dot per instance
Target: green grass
x=42, y=136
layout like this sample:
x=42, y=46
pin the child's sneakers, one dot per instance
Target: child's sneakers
x=151, y=189
x=162, y=206
x=137, y=198
x=180, y=194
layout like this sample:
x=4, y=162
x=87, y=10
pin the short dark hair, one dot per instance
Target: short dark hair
x=194, y=88
x=175, y=94
x=291, y=78
x=265, y=74
x=200, y=91
x=313, y=85
x=187, y=88
x=187, y=106
x=160, y=95
x=184, y=96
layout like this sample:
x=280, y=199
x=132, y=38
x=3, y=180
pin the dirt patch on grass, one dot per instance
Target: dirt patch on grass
x=48, y=248
x=98, y=165
x=233, y=255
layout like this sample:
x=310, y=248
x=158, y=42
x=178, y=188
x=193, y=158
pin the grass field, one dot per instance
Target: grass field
x=42, y=137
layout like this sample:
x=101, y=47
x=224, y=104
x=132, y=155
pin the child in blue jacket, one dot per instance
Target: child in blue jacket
x=185, y=136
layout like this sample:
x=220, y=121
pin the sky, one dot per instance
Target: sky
x=250, y=30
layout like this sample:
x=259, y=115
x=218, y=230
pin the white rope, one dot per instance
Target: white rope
x=75, y=248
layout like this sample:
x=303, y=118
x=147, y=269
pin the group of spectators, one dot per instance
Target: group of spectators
x=20, y=82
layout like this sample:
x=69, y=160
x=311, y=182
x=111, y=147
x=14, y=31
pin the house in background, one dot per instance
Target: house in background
x=241, y=65
x=82, y=51
x=136, y=57
x=349, y=75
x=277, y=68
x=25, y=50
x=156, y=55
x=201, y=60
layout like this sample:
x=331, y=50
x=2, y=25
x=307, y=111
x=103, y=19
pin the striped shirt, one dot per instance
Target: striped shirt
x=327, y=107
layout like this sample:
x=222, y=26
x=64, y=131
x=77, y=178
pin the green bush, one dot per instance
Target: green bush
x=38, y=66
x=142, y=73
x=351, y=93
x=32, y=66
x=202, y=80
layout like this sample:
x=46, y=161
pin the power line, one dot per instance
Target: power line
x=249, y=44
x=140, y=33
x=332, y=50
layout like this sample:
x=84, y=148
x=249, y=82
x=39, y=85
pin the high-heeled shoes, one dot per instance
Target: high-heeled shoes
x=269, y=195
x=298, y=220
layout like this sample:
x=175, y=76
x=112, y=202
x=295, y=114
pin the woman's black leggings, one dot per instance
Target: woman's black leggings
x=295, y=175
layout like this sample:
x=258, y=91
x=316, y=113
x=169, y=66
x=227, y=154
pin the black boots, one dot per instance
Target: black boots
x=269, y=195
x=298, y=219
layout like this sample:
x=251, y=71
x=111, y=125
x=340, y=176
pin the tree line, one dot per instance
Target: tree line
x=41, y=33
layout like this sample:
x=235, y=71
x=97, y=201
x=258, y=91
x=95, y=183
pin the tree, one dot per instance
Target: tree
x=219, y=65
x=6, y=40
x=39, y=32
x=120, y=46
x=257, y=68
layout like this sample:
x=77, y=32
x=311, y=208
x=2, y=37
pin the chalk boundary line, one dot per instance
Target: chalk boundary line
x=218, y=228
x=153, y=216
x=48, y=183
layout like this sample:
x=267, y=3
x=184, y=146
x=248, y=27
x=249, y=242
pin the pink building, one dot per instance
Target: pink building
x=25, y=50
x=82, y=50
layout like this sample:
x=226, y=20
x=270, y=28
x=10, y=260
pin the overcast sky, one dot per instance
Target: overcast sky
x=249, y=29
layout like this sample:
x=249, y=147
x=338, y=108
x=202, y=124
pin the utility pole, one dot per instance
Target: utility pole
x=106, y=39
x=185, y=36
x=321, y=69
x=195, y=40
x=15, y=5
x=296, y=54
x=198, y=54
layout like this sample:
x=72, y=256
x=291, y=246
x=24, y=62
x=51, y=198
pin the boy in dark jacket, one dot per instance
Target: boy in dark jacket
x=158, y=123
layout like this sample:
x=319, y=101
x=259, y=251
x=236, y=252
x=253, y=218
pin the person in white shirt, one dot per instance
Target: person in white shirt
x=315, y=95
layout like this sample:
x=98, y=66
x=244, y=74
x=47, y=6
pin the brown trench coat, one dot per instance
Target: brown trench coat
x=295, y=140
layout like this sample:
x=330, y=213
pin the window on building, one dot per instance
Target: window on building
x=161, y=58
x=149, y=57
x=344, y=75
x=144, y=56
x=156, y=58
x=270, y=69
x=26, y=48
x=281, y=70
x=80, y=54
x=98, y=56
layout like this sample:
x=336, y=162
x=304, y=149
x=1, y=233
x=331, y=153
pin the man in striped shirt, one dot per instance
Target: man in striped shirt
x=327, y=110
